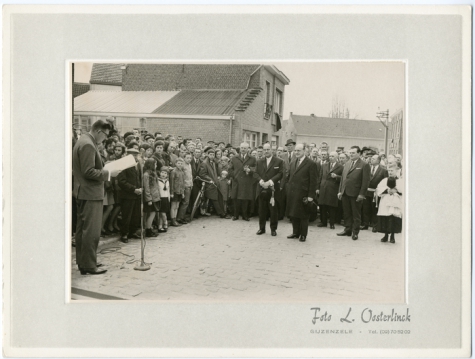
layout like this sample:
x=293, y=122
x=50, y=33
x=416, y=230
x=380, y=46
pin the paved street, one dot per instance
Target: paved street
x=215, y=259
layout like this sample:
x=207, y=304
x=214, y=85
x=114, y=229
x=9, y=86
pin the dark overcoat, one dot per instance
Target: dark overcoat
x=273, y=172
x=328, y=185
x=380, y=174
x=302, y=183
x=209, y=172
x=129, y=180
x=243, y=183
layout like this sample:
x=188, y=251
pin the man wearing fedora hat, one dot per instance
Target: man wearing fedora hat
x=130, y=184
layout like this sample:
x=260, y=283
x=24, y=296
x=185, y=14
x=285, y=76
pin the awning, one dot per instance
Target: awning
x=121, y=102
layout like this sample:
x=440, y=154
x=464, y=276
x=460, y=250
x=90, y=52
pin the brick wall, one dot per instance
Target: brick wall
x=207, y=129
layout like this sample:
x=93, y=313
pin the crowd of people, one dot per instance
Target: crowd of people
x=297, y=181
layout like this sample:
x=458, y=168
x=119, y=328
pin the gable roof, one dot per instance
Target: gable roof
x=337, y=127
x=202, y=102
x=171, y=77
x=106, y=74
x=79, y=88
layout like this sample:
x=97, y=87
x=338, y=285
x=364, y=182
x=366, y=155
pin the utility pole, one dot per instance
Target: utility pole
x=384, y=115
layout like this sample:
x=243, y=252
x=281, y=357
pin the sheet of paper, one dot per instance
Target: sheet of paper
x=120, y=165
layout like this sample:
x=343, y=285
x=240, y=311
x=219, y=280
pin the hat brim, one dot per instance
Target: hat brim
x=132, y=151
x=291, y=143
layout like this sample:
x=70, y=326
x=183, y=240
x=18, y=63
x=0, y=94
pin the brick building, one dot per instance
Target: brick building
x=230, y=103
x=395, y=133
x=337, y=132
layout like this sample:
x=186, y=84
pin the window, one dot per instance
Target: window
x=267, y=105
x=250, y=137
x=273, y=141
x=278, y=102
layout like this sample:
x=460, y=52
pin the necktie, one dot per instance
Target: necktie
x=352, y=165
x=372, y=171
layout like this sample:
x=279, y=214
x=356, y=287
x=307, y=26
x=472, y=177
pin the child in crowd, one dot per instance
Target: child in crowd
x=177, y=180
x=151, y=195
x=223, y=187
x=164, y=188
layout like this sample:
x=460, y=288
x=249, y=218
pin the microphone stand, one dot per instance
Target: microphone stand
x=142, y=266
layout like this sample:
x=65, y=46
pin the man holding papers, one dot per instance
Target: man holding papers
x=89, y=177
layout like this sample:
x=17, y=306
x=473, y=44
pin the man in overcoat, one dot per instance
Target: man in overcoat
x=377, y=174
x=269, y=172
x=352, y=192
x=301, y=184
x=195, y=167
x=89, y=177
x=327, y=190
x=130, y=184
x=241, y=170
x=287, y=157
x=208, y=171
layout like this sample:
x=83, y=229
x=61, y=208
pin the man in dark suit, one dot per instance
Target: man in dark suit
x=328, y=190
x=241, y=170
x=269, y=172
x=352, y=192
x=89, y=177
x=287, y=157
x=195, y=167
x=377, y=174
x=130, y=184
x=301, y=184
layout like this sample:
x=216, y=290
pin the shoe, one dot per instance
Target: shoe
x=273, y=233
x=149, y=233
x=207, y=214
x=321, y=225
x=375, y=230
x=93, y=271
x=181, y=221
x=392, y=240
x=260, y=231
x=363, y=228
x=99, y=265
x=293, y=236
x=332, y=226
x=246, y=218
x=354, y=236
x=124, y=239
x=225, y=216
x=134, y=236
x=302, y=238
x=235, y=218
x=384, y=239
x=161, y=230
x=175, y=223
x=344, y=233
x=108, y=232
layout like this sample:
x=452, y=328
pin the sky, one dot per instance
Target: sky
x=363, y=86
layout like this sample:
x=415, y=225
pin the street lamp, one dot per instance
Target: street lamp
x=384, y=115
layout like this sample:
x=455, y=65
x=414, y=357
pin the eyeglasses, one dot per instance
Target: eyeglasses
x=107, y=135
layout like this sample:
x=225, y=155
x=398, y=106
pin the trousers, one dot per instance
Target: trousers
x=243, y=206
x=299, y=226
x=352, y=213
x=130, y=216
x=184, y=204
x=88, y=232
x=266, y=210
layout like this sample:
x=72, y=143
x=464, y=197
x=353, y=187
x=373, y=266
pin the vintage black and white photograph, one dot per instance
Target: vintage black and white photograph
x=238, y=181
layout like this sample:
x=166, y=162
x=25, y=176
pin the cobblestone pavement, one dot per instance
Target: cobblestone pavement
x=213, y=259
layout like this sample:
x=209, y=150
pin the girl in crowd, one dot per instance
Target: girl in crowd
x=151, y=195
x=177, y=181
x=164, y=188
x=218, y=156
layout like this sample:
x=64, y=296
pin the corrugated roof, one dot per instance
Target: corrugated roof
x=194, y=102
x=169, y=77
x=120, y=101
x=340, y=127
x=106, y=74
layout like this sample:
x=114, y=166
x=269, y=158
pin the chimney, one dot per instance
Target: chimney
x=313, y=115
